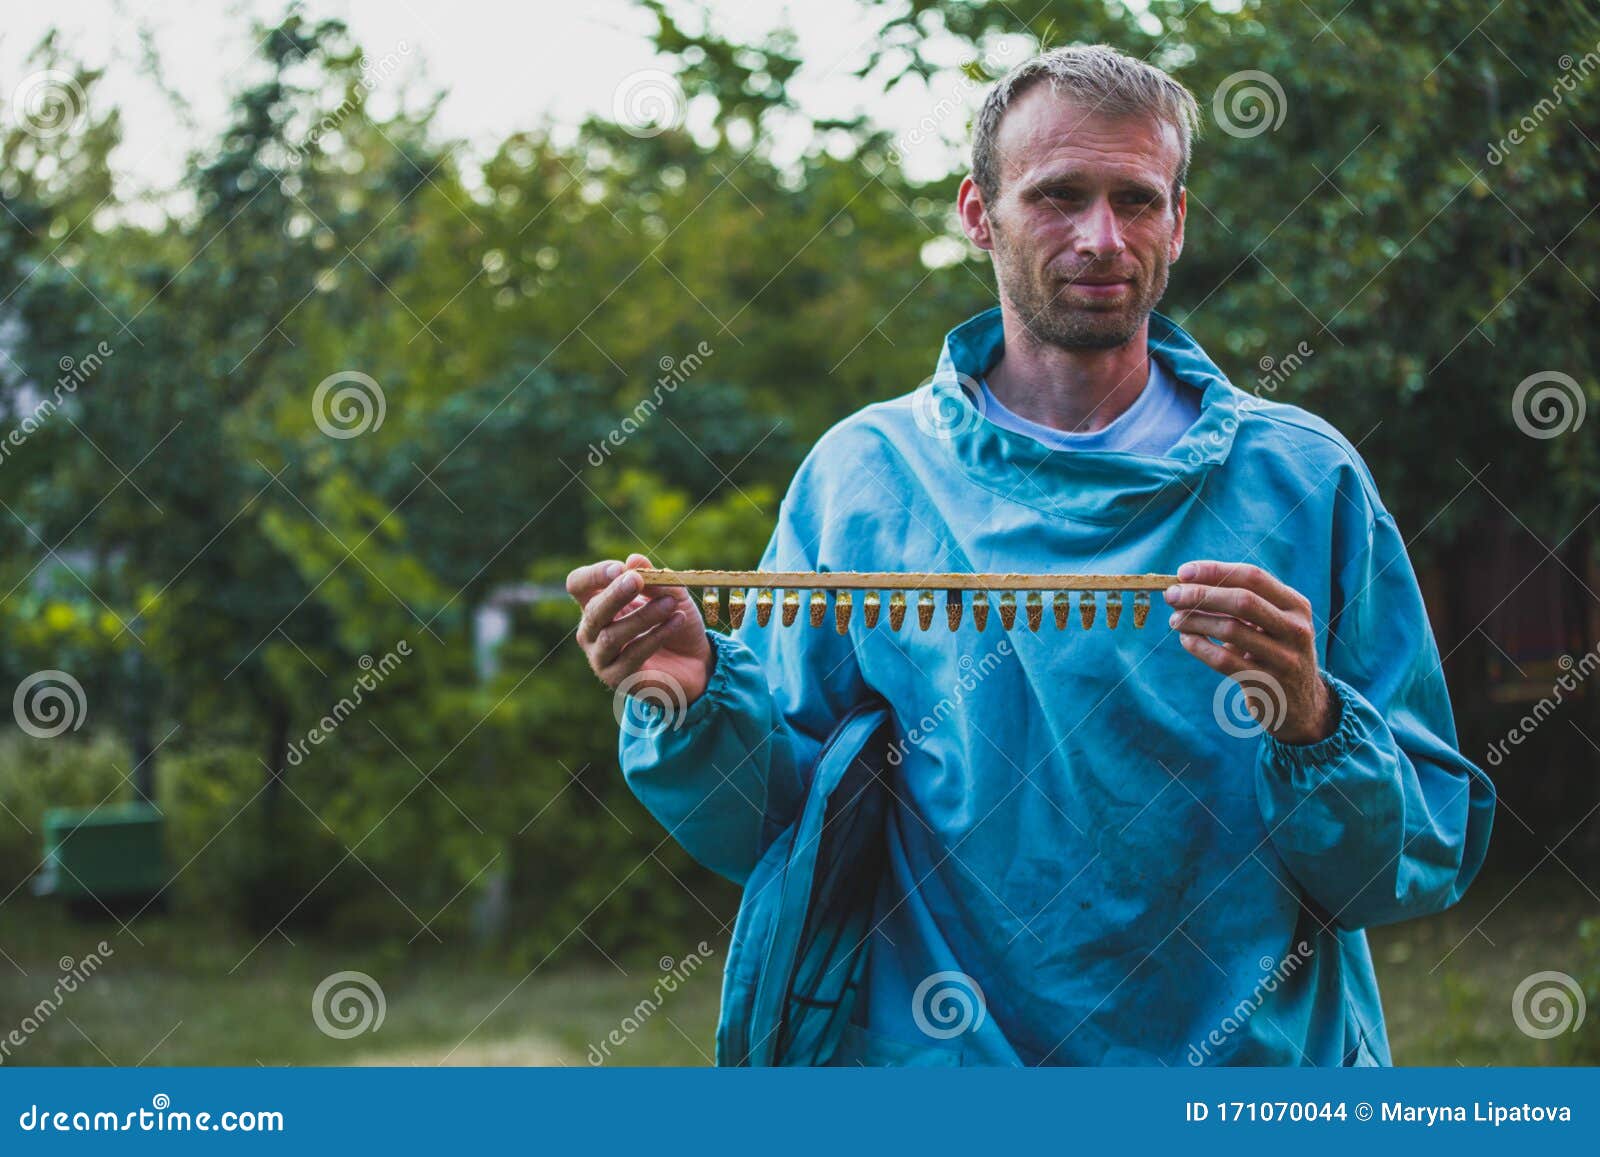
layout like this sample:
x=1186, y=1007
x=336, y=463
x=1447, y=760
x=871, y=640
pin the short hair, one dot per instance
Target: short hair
x=1100, y=75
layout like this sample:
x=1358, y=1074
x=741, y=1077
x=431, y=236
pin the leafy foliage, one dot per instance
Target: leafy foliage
x=217, y=570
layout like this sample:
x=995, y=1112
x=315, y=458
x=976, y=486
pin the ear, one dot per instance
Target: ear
x=974, y=217
x=1180, y=210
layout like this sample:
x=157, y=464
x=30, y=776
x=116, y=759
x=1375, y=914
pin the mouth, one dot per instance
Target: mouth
x=1089, y=276
x=1100, y=287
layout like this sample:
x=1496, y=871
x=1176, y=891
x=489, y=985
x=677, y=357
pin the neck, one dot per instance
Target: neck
x=1076, y=390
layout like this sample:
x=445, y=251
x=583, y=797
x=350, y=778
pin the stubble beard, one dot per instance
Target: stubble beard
x=1050, y=318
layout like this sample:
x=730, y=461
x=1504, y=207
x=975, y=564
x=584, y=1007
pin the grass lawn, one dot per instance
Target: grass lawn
x=1448, y=981
x=199, y=995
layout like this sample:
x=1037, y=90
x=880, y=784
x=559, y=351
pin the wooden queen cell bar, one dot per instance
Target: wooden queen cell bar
x=923, y=584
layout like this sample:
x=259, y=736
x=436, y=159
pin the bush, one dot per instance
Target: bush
x=408, y=816
x=238, y=853
x=37, y=774
x=1582, y=1047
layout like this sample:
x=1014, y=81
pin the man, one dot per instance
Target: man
x=1086, y=835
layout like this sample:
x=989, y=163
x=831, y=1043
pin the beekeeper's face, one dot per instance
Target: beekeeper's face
x=1084, y=223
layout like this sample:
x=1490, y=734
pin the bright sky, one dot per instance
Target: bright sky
x=504, y=65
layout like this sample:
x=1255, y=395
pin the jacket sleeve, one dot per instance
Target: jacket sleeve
x=1385, y=819
x=728, y=773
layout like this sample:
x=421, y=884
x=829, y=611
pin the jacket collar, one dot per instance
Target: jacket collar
x=1104, y=486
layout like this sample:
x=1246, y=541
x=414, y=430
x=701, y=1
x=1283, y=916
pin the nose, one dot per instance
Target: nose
x=1099, y=236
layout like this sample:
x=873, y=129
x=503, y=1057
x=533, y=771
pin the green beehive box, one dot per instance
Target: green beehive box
x=111, y=852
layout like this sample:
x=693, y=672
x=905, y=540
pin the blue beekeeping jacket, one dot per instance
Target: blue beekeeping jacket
x=1067, y=847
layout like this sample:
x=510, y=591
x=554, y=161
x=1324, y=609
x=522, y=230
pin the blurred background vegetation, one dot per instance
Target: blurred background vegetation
x=217, y=572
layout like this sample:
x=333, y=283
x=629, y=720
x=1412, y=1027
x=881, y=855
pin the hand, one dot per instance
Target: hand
x=623, y=632
x=1262, y=626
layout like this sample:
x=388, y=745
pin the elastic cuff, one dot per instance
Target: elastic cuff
x=718, y=692
x=650, y=717
x=1347, y=734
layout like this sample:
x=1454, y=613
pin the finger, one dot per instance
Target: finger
x=586, y=581
x=1236, y=602
x=612, y=638
x=1199, y=620
x=634, y=655
x=1209, y=572
x=608, y=604
x=1233, y=634
x=1217, y=658
x=680, y=594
